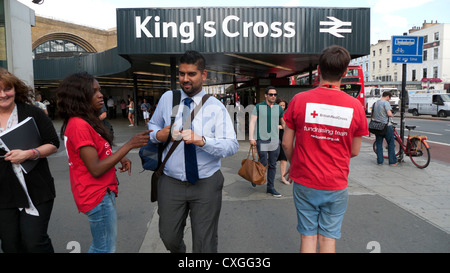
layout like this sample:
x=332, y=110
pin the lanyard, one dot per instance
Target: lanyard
x=330, y=86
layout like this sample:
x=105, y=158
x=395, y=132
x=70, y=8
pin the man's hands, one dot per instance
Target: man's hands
x=286, y=176
x=188, y=136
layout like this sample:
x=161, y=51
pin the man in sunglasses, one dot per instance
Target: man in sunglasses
x=266, y=117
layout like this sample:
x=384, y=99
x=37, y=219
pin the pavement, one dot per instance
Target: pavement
x=400, y=209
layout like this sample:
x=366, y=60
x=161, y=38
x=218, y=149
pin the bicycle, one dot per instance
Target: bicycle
x=416, y=148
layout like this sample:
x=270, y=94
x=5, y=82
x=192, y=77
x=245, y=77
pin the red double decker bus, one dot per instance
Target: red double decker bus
x=352, y=83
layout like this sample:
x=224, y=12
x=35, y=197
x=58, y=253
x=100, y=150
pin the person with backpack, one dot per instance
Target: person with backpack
x=191, y=183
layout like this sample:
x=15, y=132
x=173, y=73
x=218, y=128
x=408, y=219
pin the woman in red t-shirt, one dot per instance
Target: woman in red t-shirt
x=91, y=160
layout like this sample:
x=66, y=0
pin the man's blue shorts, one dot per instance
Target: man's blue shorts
x=320, y=211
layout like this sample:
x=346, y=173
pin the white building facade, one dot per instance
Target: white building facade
x=434, y=72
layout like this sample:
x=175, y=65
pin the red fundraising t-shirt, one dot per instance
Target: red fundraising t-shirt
x=87, y=191
x=325, y=122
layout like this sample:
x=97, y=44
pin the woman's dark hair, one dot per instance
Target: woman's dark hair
x=23, y=92
x=282, y=100
x=75, y=95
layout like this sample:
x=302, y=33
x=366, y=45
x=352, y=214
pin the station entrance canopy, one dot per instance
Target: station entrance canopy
x=239, y=42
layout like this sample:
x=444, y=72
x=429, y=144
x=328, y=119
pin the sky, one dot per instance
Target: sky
x=388, y=17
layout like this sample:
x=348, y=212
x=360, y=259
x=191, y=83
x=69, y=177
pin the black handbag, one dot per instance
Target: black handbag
x=377, y=128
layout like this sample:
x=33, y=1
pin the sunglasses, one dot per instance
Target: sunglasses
x=272, y=95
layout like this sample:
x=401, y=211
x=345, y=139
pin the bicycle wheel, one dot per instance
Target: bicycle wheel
x=418, y=152
x=385, y=148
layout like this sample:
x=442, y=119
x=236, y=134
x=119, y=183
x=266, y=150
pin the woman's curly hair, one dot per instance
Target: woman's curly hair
x=75, y=95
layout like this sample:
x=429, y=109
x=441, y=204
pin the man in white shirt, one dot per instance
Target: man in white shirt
x=39, y=104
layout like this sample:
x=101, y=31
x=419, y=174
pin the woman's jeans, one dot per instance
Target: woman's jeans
x=103, y=222
x=389, y=136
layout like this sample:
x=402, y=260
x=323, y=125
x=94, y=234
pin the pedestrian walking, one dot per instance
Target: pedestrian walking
x=192, y=181
x=145, y=107
x=131, y=111
x=91, y=161
x=327, y=125
x=265, y=118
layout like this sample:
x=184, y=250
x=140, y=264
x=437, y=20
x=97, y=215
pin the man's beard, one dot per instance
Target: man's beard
x=191, y=91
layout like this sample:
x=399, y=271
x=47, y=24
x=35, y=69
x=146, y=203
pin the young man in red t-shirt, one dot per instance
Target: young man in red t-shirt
x=327, y=125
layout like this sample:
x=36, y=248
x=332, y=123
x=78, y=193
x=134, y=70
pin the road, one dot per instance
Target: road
x=437, y=131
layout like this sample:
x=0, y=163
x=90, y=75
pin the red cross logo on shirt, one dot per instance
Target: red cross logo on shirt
x=314, y=114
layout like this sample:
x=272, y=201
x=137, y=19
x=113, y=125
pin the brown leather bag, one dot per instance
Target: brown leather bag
x=251, y=169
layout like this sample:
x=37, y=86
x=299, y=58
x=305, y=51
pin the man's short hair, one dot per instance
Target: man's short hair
x=387, y=94
x=195, y=58
x=270, y=87
x=333, y=62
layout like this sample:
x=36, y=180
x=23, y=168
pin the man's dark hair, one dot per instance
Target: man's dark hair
x=193, y=57
x=270, y=87
x=333, y=63
x=387, y=93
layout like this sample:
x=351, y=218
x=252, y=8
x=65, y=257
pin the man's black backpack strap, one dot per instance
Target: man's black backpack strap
x=151, y=154
x=176, y=98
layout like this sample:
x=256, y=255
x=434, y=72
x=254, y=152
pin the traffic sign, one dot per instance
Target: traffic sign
x=407, y=49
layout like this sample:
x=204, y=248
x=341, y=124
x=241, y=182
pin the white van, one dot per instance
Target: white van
x=375, y=94
x=429, y=104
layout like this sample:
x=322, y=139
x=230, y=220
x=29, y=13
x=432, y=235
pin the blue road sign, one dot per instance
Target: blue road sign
x=407, y=49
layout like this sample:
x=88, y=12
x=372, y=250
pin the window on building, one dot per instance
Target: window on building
x=374, y=53
x=425, y=39
x=424, y=73
x=388, y=49
x=436, y=53
x=381, y=51
x=436, y=36
x=379, y=64
x=435, y=72
x=373, y=65
x=425, y=55
x=414, y=75
x=58, y=46
x=395, y=77
x=388, y=61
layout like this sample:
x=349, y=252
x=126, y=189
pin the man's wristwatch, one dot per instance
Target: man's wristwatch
x=204, y=141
